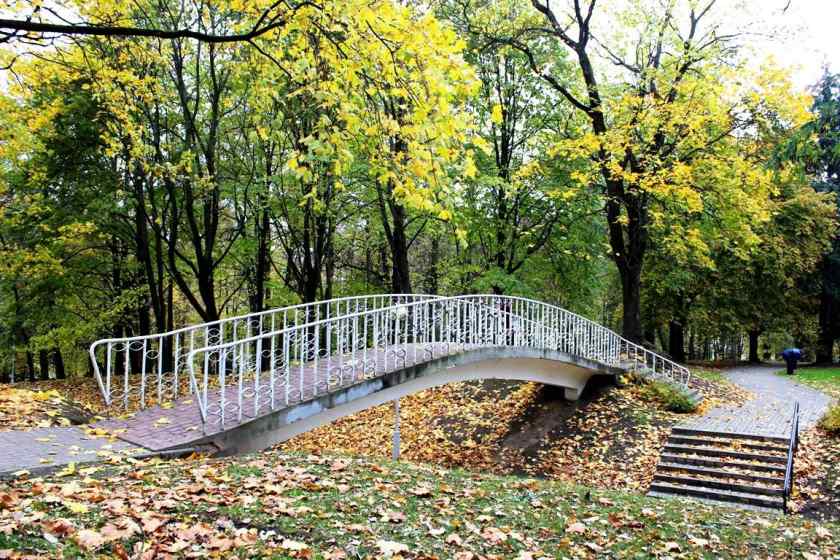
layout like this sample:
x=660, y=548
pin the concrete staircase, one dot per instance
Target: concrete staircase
x=723, y=467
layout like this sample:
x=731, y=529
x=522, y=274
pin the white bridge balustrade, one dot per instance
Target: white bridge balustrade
x=287, y=361
x=152, y=369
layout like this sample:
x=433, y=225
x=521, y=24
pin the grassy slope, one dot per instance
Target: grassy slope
x=292, y=505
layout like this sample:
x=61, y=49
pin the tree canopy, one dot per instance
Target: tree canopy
x=163, y=164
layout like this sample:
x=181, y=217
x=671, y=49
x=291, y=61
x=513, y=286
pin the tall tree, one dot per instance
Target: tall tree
x=650, y=92
x=823, y=160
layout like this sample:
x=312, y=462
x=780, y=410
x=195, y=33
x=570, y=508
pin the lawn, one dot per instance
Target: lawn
x=288, y=505
x=824, y=379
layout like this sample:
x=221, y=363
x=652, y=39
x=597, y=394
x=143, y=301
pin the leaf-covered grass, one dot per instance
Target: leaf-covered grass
x=823, y=379
x=281, y=505
x=671, y=398
x=709, y=374
x=610, y=438
x=830, y=421
x=816, y=490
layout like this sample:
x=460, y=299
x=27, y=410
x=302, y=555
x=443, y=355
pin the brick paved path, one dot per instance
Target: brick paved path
x=769, y=413
x=49, y=448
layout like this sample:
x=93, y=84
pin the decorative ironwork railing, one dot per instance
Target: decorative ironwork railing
x=150, y=369
x=240, y=379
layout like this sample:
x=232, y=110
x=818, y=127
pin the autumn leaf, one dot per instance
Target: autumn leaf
x=578, y=528
x=69, y=470
x=391, y=548
x=494, y=535
x=89, y=539
x=76, y=507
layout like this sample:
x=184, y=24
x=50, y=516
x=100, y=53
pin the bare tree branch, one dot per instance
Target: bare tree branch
x=270, y=19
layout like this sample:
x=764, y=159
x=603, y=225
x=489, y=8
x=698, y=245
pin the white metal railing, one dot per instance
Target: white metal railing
x=245, y=378
x=150, y=369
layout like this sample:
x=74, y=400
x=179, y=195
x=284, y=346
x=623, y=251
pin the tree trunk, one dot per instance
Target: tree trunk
x=58, y=364
x=631, y=319
x=30, y=365
x=753, y=353
x=394, y=219
x=398, y=242
x=400, y=272
x=628, y=250
x=825, y=342
x=676, y=341
x=44, y=364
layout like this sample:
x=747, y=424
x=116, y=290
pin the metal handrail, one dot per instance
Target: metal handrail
x=793, y=445
x=162, y=356
x=264, y=366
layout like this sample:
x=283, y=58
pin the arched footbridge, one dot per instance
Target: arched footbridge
x=247, y=382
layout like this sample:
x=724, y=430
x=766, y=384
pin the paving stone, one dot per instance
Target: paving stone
x=57, y=446
x=771, y=411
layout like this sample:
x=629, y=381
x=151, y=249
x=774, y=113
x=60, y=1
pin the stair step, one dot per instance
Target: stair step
x=718, y=484
x=720, y=463
x=750, y=507
x=718, y=495
x=703, y=471
x=714, y=452
x=707, y=433
x=706, y=441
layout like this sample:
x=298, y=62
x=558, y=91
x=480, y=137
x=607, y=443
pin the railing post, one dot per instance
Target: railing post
x=395, y=442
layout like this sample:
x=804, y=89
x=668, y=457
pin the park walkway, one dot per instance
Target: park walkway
x=769, y=413
x=45, y=449
x=739, y=454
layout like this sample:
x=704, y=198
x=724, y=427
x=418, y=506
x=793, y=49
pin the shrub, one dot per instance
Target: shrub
x=831, y=419
x=670, y=397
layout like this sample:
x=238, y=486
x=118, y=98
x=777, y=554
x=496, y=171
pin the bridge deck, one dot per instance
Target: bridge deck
x=179, y=424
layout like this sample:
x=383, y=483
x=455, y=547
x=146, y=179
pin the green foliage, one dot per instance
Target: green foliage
x=146, y=184
x=669, y=397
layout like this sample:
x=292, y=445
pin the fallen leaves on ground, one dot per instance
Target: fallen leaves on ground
x=300, y=506
x=716, y=389
x=611, y=440
x=85, y=391
x=816, y=490
x=22, y=408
